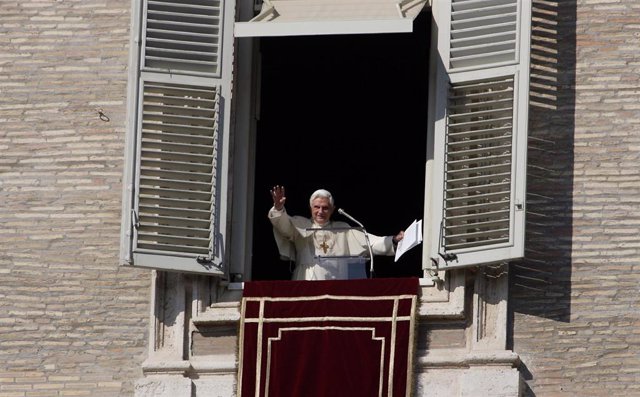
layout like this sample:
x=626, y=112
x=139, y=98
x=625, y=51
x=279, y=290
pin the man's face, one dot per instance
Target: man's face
x=321, y=210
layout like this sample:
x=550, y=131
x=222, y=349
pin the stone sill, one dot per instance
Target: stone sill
x=431, y=359
x=447, y=358
x=218, y=364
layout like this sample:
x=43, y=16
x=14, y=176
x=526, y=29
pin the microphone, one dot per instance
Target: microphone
x=343, y=213
x=366, y=236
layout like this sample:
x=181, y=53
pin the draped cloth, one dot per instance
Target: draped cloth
x=333, y=338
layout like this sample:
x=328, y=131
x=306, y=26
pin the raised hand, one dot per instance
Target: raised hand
x=278, y=196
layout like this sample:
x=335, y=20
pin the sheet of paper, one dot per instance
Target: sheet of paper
x=412, y=237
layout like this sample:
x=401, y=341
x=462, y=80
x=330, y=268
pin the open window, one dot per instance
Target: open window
x=346, y=113
x=471, y=134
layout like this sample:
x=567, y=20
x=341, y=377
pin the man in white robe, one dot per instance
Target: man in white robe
x=317, y=245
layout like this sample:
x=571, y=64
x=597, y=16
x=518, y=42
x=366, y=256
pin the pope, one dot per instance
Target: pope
x=312, y=242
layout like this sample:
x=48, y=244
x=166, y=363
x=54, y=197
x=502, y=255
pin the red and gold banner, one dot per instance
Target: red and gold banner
x=327, y=338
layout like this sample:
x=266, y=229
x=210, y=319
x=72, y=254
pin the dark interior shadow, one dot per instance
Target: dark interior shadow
x=347, y=113
x=541, y=283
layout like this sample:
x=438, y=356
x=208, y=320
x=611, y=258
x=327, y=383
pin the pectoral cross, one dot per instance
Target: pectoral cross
x=324, y=246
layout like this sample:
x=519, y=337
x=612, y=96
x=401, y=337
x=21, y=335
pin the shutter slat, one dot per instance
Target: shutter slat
x=178, y=166
x=185, y=158
x=175, y=193
x=174, y=204
x=179, y=138
x=195, y=5
x=479, y=179
x=153, y=240
x=473, y=237
x=204, y=95
x=495, y=117
x=210, y=40
x=485, y=151
x=472, y=208
x=182, y=213
x=188, y=122
x=156, y=246
x=178, y=175
x=484, y=32
x=463, y=136
x=179, y=97
x=478, y=226
x=480, y=124
x=482, y=17
x=467, y=172
x=465, y=215
x=151, y=229
x=182, y=55
x=498, y=107
x=466, y=51
x=463, y=5
x=174, y=184
x=481, y=240
x=476, y=39
x=466, y=89
x=178, y=133
x=468, y=140
x=169, y=65
x=188, y=149
x=191, y=223
x=182, y=113
x=182, y=22
x=478, y=189
x=478, y=60
x=459, y=217
x=186, y=45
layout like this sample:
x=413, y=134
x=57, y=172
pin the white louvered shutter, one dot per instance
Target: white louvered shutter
x=479, y=140
x=175, y=218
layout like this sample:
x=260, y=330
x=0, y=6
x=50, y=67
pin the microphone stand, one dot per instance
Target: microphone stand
x=366, y=237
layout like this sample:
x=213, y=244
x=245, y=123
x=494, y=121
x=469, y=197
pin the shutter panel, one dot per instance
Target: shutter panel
x=483, y=33
x=182, y=35
x=175, y=219
x=177, y=163
x=480, y=132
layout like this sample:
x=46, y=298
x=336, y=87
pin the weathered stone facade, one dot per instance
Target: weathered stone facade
x=75, y=323
x=575, y=303
x=72, y=322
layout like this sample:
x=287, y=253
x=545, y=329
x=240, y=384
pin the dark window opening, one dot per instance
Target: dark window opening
x=347, y=113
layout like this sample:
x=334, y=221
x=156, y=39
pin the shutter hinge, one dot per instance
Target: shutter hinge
x=447, y=257
x=134, y=219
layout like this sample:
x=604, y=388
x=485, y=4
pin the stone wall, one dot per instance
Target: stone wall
x=575, y=300
x=72, y=321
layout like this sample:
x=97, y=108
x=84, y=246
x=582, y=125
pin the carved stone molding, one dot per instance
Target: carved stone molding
x=491, y=291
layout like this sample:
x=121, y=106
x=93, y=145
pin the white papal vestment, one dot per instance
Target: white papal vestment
x=305, y=242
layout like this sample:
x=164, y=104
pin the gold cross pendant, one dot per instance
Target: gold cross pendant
x=324, y=246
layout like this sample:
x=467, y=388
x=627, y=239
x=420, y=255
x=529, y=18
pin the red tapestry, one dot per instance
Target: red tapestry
x=333, y=338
